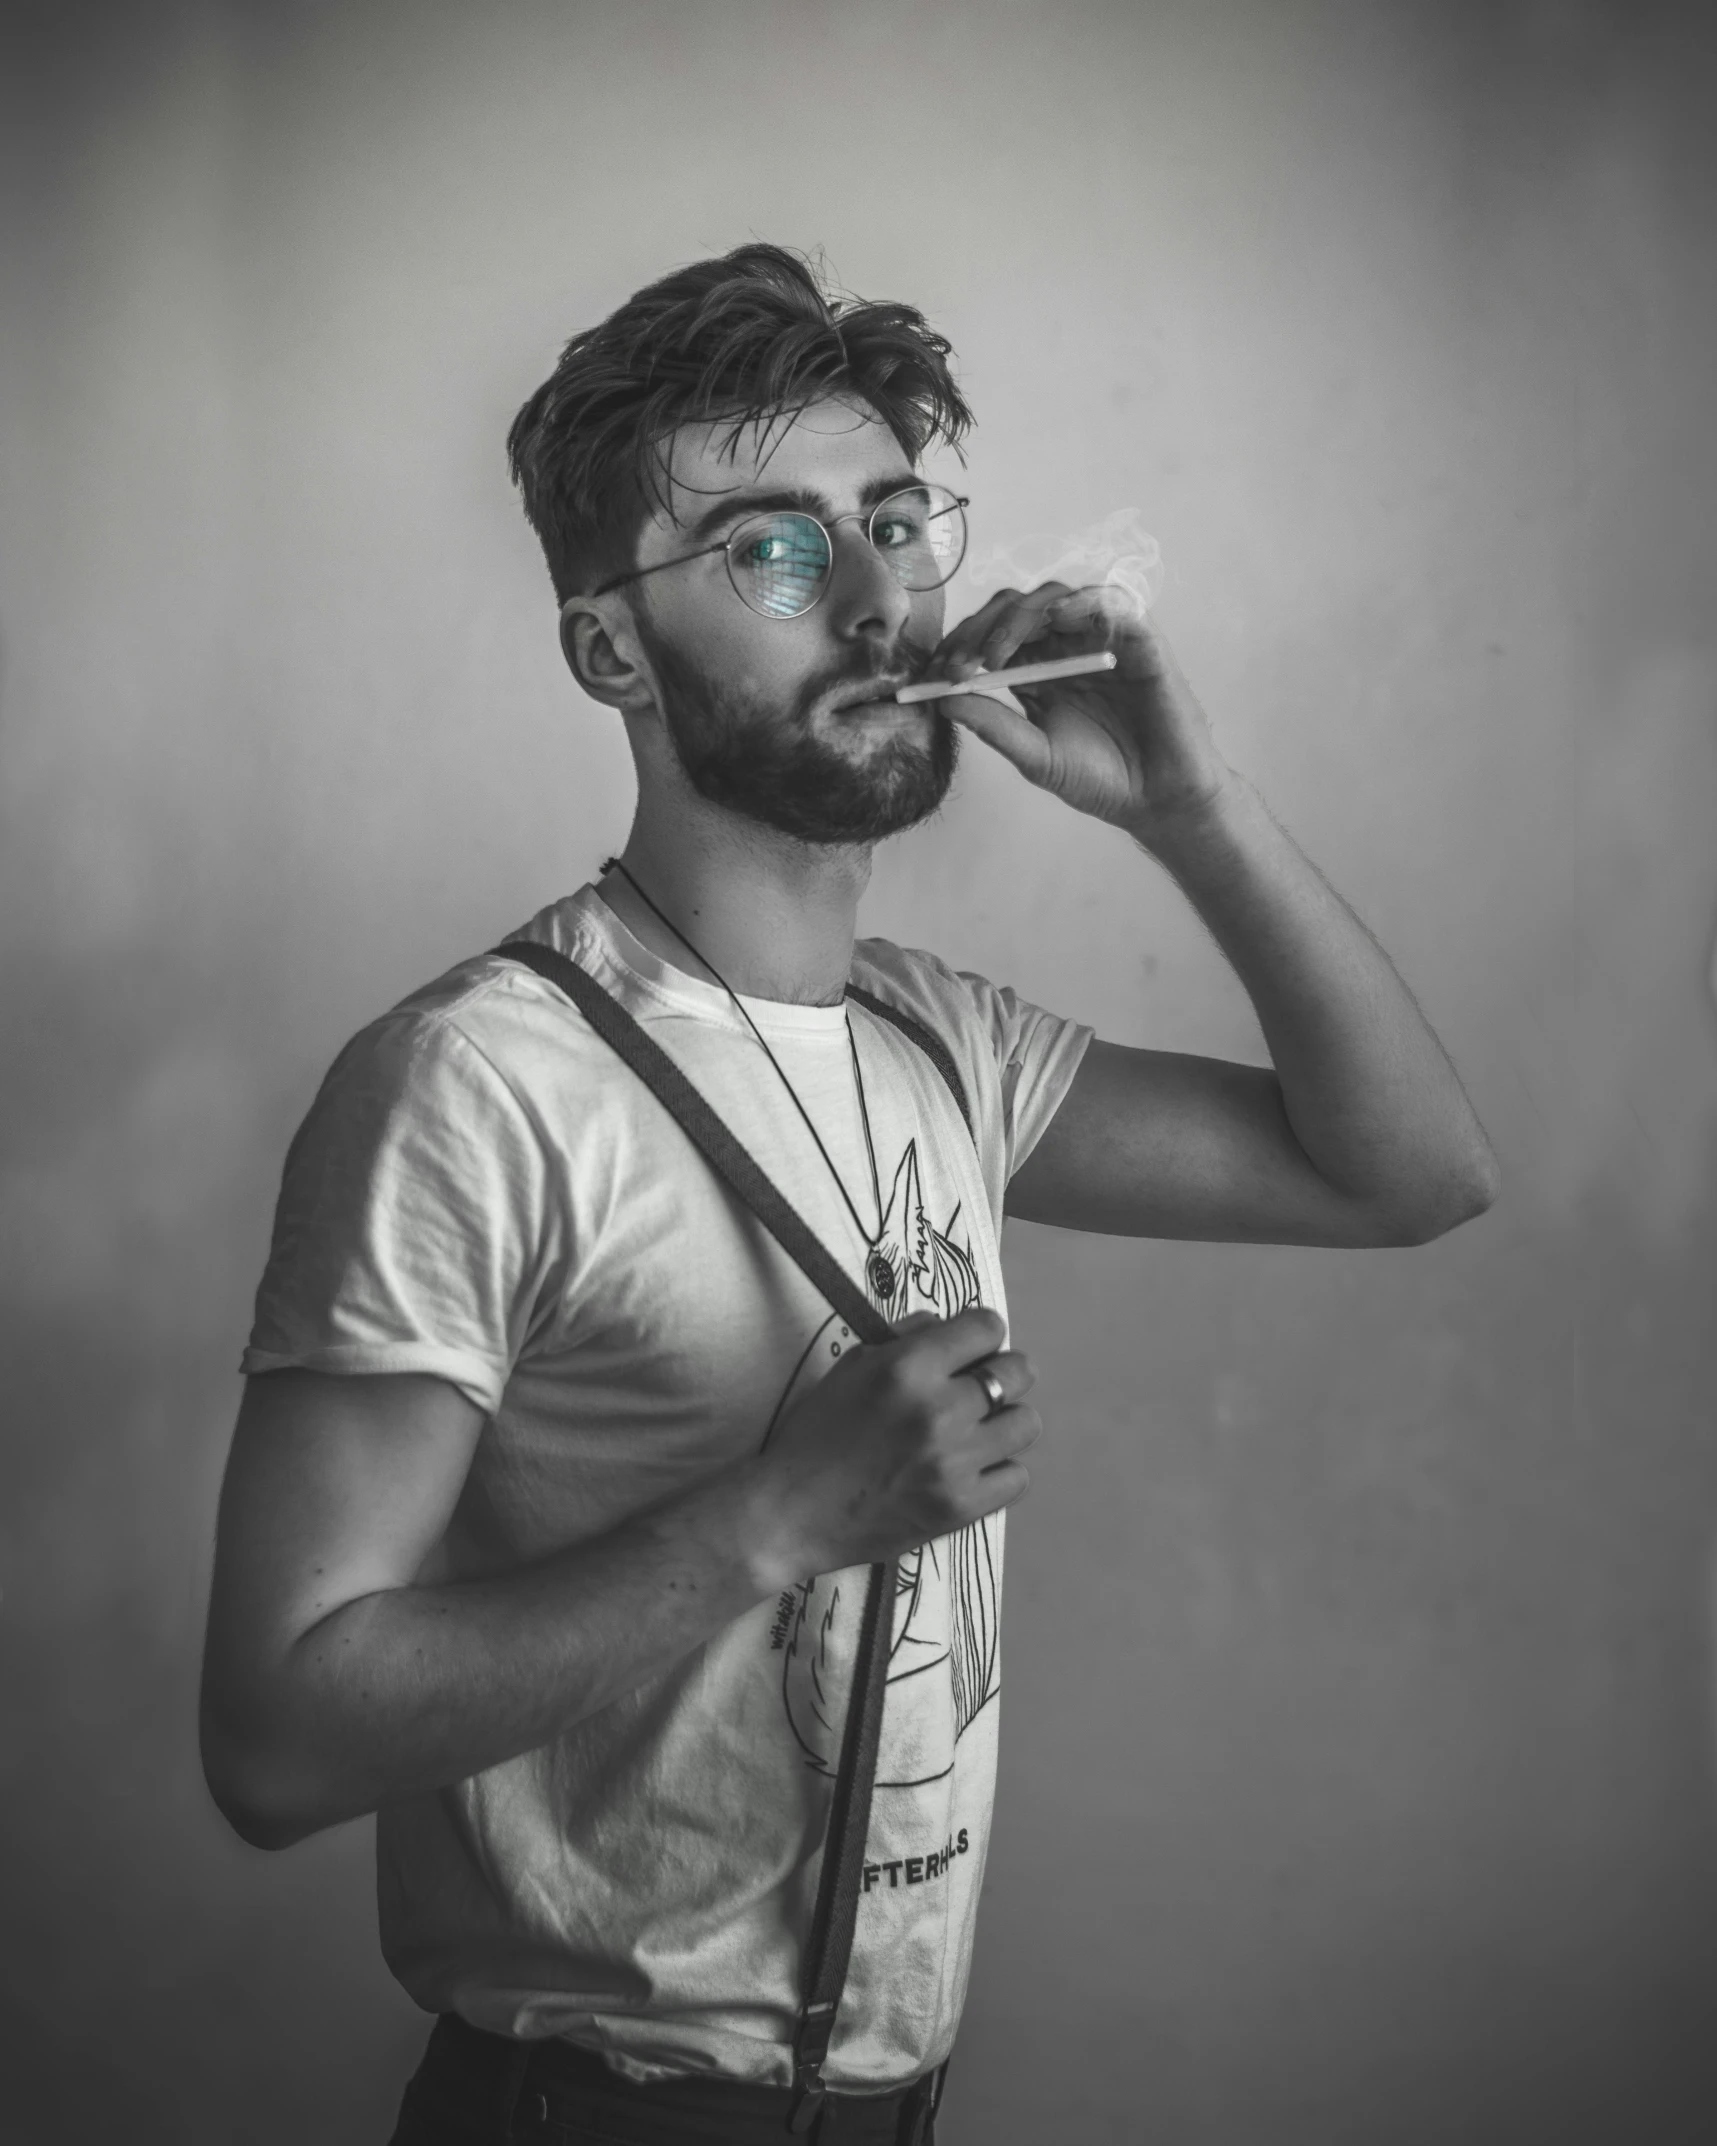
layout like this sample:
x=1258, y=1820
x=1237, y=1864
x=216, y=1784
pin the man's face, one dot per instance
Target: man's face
x=778, y=718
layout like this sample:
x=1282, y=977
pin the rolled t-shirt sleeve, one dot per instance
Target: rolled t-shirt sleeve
x=1017, y=1060
x=1037, y=1054
x=414, y=1230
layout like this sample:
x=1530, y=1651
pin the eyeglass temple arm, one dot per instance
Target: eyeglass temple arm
x=685, y=558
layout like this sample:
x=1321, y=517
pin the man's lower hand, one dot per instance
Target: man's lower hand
x=896, y=1445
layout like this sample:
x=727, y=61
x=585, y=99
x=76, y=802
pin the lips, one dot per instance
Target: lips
x=873, y=689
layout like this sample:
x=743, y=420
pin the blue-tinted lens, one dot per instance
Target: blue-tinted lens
x=921, y=532
x=779, y=563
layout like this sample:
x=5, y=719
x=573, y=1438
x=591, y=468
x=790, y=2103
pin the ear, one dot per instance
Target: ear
x=603, y=653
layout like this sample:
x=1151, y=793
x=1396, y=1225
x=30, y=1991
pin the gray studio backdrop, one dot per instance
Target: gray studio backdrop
x=1359, y=1778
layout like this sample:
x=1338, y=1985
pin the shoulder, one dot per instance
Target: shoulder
x=453, y=1029
x=920, y=984
x=490, y=1038
x=1010, y=1053
x=487, y=1044
x=967, y=1010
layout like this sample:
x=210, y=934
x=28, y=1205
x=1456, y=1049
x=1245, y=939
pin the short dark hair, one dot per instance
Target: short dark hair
x=754, y=335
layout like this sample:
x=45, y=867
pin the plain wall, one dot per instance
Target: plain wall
x=1359, y=1780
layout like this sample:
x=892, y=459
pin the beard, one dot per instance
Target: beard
x=776, y=770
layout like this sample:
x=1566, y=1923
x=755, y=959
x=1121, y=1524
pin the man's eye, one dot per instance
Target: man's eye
x=895, y=533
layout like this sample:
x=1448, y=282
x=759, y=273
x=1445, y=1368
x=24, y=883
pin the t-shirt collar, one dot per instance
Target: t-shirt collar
x=585, y=915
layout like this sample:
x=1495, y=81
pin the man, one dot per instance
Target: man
x=542, y=1530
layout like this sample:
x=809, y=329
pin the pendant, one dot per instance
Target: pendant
x=879, y=1272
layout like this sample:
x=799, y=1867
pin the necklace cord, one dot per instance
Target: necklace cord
x=864, y=1120
x=871, y=1239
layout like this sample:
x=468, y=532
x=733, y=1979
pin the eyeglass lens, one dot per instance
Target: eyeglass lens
x=780, y=563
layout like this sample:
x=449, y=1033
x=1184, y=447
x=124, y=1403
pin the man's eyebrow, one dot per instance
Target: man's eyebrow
x=735, y=506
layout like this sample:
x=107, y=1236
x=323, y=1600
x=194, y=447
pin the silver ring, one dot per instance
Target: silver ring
x=995, y=1392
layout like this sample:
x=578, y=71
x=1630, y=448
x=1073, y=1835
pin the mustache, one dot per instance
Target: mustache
x=904, y=664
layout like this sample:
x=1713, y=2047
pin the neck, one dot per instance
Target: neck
x=776, y=916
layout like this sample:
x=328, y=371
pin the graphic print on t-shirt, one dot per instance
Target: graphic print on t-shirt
x=944, y=1665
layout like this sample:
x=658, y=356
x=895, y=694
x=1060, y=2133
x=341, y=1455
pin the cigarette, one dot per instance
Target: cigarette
x=1023, y=674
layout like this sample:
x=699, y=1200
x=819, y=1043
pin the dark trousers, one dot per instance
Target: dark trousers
x=476, y=2089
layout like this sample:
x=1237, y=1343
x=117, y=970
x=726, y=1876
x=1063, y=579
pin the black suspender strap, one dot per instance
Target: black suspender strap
x=927, y=1041
x=835, y=1916
x=731, y=1162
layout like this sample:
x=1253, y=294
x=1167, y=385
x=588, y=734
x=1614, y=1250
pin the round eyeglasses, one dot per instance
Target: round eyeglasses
x=780, y=564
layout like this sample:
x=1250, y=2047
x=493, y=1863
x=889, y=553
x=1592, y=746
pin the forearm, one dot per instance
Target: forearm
x=402, y=1691
x=1367, y=1089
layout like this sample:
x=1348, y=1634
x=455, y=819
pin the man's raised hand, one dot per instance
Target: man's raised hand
x=1131, y=746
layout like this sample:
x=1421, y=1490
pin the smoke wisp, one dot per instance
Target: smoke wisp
x=1118, y=552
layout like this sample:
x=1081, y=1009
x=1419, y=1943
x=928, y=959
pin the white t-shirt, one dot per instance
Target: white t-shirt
x=485, y=1192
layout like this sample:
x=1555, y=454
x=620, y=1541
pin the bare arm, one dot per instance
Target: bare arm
x=335, y=1682
x=332, y=1682
x=1360, y=1134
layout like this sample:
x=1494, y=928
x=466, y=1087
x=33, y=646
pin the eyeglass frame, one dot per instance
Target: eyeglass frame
x=706, y=551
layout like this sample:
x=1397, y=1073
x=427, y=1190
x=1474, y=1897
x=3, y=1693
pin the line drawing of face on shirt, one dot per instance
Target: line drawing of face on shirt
x=944, y=1658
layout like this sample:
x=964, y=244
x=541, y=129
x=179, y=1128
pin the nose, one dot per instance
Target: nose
x=865, y=600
